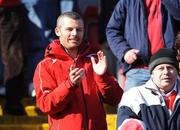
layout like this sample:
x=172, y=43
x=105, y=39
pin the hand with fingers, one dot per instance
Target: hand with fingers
x=76, y=74
x=131, y=56
x=99, y=66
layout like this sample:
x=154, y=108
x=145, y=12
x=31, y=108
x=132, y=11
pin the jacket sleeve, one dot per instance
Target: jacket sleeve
x=109, y=89
x=132, y=124
x=127, y=116
x=173, y=6
x=115, y=31
x=50, y=96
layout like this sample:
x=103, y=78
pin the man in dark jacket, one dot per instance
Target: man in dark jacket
x=139, y=28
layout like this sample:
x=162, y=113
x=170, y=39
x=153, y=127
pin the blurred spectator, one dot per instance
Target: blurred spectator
x=88, y=9
x=2, y=87
x=105, y=10
x=11, y=48
x=177, y=45
x=89, y=12
x=40, y=22
x=68, y=5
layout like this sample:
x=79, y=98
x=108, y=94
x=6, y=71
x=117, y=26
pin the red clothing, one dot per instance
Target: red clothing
x=169, y=100
x=9, y=2
x=154, y=25
x=69, y=107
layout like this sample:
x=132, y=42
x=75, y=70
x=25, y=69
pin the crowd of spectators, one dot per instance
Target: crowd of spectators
x=29, y=28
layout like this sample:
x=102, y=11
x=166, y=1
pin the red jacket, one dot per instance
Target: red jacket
x=9, y=2
x=73, y=108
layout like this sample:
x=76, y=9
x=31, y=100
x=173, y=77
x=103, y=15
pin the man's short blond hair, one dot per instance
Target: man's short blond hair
x=72, y=15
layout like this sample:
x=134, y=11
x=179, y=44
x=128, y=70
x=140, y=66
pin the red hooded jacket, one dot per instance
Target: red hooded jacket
x=73, y=107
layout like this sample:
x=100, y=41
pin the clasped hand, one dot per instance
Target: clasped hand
x=99, y=66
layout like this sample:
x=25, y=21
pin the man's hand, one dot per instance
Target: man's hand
x=100, y=66
x=131, y=56
x=76, y=75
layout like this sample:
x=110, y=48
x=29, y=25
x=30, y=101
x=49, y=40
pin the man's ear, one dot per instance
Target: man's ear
x=57, y=31
x=152, y=74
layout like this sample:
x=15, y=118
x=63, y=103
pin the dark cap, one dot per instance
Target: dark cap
x=164, y=56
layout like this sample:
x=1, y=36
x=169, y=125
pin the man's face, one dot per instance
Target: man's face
x=70, y=33
x=164, y=76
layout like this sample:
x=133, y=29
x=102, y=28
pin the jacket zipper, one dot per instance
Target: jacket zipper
x=84, y=100
x=85, y=106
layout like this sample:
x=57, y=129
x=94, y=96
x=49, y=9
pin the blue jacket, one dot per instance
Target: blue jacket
x=146, y=104
x=127, y=28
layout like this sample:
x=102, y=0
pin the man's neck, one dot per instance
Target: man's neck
x=71, y=52
x=170, y=91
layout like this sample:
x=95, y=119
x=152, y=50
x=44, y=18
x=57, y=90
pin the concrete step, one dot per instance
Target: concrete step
x=28, y=103
x=36, y=120
x=23, y=123
x=31, y=110
x=39, y=122
x=23, y=119
x=43, y=126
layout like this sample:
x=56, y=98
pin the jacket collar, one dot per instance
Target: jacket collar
x=151, y=86
x=56, y=50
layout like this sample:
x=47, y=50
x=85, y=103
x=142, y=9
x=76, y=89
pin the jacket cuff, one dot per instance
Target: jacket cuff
x=101, y=78
x=123, y=60
x=70, y=85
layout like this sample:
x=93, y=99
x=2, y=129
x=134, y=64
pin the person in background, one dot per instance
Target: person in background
x=72, y=82
x=105, y=10
x=156, y=104
x=40, y=21
x=136, y=30
x=68, y=5
x=177, y=45
x=12, y=54
x=2, y=87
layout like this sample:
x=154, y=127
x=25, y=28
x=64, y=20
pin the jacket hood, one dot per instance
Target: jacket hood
x=56, y=50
